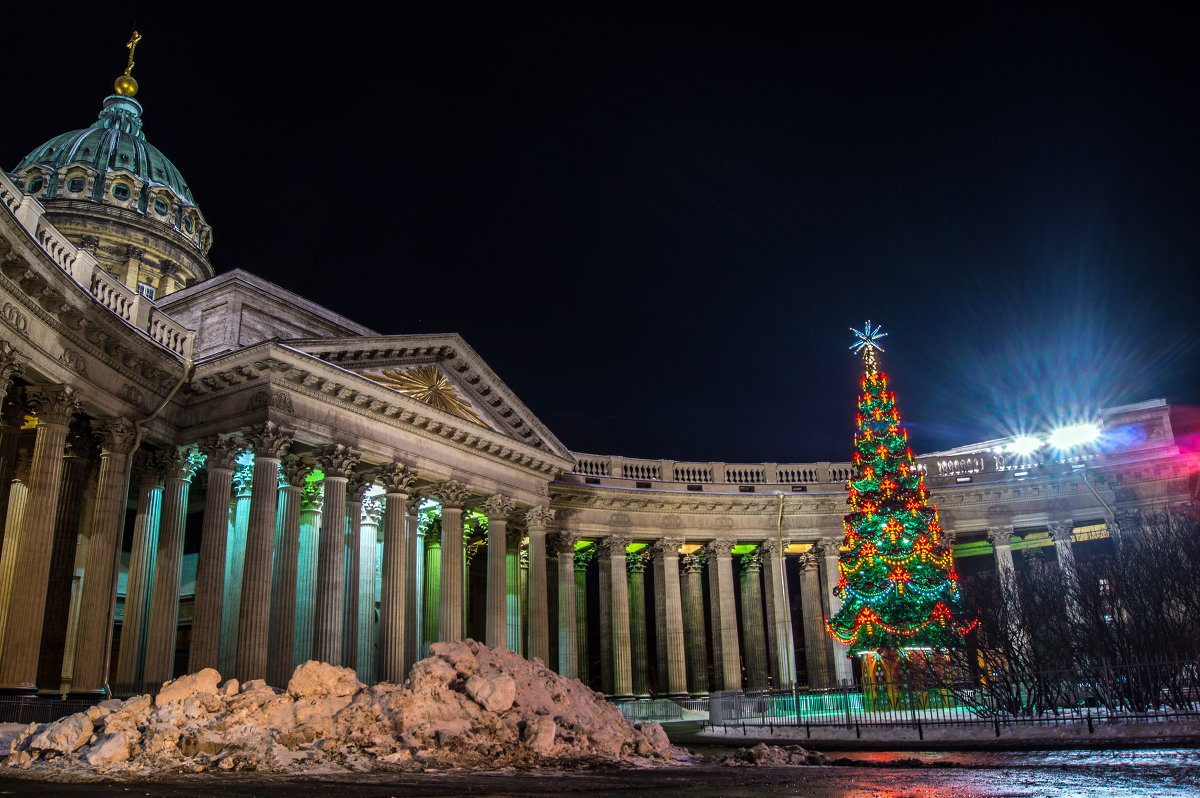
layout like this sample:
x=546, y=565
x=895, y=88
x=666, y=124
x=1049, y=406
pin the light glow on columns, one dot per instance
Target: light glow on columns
x=1075, y=435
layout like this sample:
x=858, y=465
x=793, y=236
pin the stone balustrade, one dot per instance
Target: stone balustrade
x=716, y=477
x=132, y=307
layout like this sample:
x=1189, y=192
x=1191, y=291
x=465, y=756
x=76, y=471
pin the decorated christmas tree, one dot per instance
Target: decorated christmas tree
x=897, y=582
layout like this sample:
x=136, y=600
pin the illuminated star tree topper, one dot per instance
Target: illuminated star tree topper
x=867, y=343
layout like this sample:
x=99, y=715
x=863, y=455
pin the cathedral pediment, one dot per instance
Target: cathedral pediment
x=441, y=371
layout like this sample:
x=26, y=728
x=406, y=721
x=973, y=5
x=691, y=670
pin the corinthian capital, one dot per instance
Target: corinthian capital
x=337, y=460
x=268, y=439
x=1000, y=535
x=116, y=435
x=666, y=547
x=10, y=366
x=564, y=543
x=451, y=493
x=537, y=517
x=397, y=477
x=1060, y=531
x=613, y=544
x=295, y=470
x=181, y=462
x=357, y=486
x=498, y=506
x=53, y=404
x=221, y=452
x=720, y=548
x=691, y=564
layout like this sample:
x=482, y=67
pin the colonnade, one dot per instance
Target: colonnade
x=287, y=570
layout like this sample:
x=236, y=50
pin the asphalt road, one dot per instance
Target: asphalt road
x=1162, y=773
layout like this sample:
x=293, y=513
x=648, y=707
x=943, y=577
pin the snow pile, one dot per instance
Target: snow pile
x=763, y=754
x=466, y=705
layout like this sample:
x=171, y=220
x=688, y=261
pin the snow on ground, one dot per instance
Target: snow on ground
x=465, y=706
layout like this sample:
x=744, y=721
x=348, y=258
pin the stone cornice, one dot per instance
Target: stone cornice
x=287, y=370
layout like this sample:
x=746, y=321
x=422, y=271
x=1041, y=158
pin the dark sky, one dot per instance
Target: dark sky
x=657, y=226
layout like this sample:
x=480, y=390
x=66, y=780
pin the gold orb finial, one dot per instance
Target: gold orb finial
x=125, y=85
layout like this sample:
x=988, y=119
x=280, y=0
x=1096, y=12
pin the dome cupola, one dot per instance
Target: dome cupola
x=116, y=195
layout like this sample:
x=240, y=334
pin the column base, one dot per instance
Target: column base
x=622, y=697
x=18, y=689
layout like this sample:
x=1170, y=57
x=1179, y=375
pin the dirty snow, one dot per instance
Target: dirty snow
x=465, y=706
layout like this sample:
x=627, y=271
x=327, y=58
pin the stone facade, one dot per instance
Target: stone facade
x=300, y=447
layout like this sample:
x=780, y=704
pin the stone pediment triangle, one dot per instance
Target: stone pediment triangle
x=442, y=371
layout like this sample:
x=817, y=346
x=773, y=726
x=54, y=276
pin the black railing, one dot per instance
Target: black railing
x=1141, y=693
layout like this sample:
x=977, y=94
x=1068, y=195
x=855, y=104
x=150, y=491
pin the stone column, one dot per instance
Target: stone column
x=539, y=618
x=635, y=566
x=55, y=406
x=268, y=441
x=668, y=613
x=221, y=455
x=512, y=585
x=779, y=615
x=336, y=461
x=816, y=649
x=117, y=436
x=452, y=494
x=62, y=561
x=412, y=587
x=497, y=508
x=18, y=500
x=755, y=648
x=12, y=417
x=843, y=669
x=714, y=615
x=235, y=561
x=1001, y=539
x=616, y=598
x=369, y=517
x=179, y=466
x=568, y=657
x=696, y=647
x=431, y=588
x=293, y=477
x=582, y=558
x=1060, y=531
x=720, y=555
x=395, y=588
x=140, y=581
x=356, y=489
x=312, y=498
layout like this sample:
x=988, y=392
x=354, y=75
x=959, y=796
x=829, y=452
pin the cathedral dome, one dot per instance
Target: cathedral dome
x=117, y=196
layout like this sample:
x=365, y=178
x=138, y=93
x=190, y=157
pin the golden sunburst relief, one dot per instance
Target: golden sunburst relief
x=431, y=386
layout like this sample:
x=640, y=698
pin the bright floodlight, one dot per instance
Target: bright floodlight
x=1024, y=445
x=1074, y=435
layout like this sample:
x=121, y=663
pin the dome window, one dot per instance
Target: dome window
x=120, y=191
x=35, y=185
x=188, y=224
x=160, y=206
x=76, y=184
x=87, y=151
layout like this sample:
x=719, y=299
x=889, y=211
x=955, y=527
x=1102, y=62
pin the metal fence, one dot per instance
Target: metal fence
x=1141, y=693
x=33, y=709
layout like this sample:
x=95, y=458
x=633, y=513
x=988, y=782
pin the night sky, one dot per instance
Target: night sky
x=658, y=226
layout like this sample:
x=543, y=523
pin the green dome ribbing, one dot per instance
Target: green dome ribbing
x=114, y=142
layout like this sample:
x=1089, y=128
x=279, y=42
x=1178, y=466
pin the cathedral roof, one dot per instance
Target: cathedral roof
x=114, y=142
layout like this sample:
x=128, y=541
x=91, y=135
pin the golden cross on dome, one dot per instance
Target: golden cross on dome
x=132, y=45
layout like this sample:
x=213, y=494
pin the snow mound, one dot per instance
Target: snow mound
x=465, y=706
x=763, y=754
